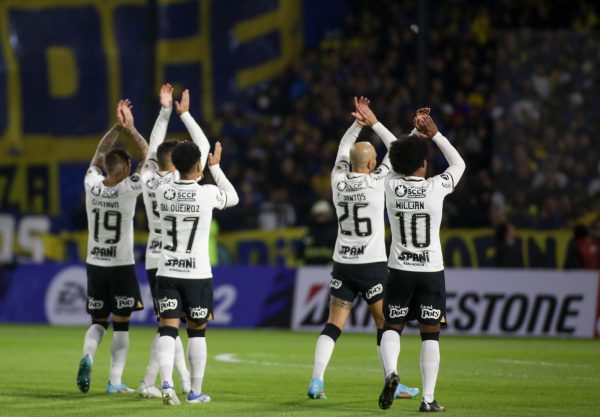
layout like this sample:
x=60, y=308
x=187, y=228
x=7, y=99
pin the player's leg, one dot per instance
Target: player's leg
x=147, y=388
x=181, y=366
x=170, y=310
x=397, y=298
x=98, y=308
x=431, y=299
x=343, y=293
x=125, y=299
x=199, y=307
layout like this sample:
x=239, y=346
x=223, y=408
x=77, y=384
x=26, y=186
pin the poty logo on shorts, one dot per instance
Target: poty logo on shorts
x=428, y=312
x=165, y=304
x=335, y=283
x=198, y=312
x=124, y=302
x=397, y=311
x=95, y=304
x=373, y=291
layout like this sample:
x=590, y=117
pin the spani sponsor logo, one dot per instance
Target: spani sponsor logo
x=397, y=311
x=165, y=304
x=414, y=257
x=198, y=312
x=373, y=291
x=189, y=263
x=352, y=250
x=110, y=252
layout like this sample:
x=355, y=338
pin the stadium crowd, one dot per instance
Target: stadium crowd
x=518, y=111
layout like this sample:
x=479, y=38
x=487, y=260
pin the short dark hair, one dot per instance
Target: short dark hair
x=116, y=160
x=164, y=151
x=408, y=153
x=185, y=156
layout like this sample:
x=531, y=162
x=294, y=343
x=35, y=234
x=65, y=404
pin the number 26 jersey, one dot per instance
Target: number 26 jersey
x=110, y=212
x=414, y=207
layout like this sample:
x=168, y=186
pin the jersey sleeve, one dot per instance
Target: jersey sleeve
x=342, y=160
x=216, y=197
x=150, y=165
x=133, y=184
x=456, y=164
x=443, y=183
x=92, y=176
x=382, y=170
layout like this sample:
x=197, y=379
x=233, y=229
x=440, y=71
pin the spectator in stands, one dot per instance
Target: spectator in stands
x=583, y=251
x=320, y=239
x=508, y=247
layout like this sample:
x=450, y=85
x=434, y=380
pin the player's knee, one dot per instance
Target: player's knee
x=168, y=331
x=332, y=331
x=393, y=327
x=120, y=326
x=430, y=336
x=196, y=332
x=103, y=323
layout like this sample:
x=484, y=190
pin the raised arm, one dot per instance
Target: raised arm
x=129, y=127
x=370, y=120
x=456, y=164
x=159, y=131
x=108, y=140
x=226, y=188
x=342, y=159
x=198, y=136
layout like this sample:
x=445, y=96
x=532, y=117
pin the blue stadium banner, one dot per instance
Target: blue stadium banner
x=55, y=293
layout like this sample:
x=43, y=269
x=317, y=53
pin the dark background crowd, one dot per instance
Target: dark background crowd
x=516, y=98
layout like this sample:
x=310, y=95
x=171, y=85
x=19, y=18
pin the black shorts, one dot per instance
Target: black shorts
x=112, y=289
x=180, y=297
x=152, y=283
x=347, y=280
x=417, y=296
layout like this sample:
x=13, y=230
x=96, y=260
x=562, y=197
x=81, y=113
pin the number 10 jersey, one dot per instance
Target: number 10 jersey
x=414, y=207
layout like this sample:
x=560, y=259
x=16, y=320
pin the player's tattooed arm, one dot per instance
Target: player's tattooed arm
x=335, y=302
x=129, y=126
x=108, y=140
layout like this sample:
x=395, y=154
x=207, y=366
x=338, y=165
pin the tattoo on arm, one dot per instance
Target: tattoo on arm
x=338, y=303
x=142, y=145
x=105, y=144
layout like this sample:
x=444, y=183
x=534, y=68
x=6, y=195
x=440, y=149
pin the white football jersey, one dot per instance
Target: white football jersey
x=110, y=212
x=359, y=205
x=414, y=207
x=185, y=210
x=151, y=180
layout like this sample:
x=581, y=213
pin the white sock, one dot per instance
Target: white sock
x=430, y=364
x=166, y=356
x=196, y=353
x=92, y=340
x=390, y=350
x=118, y=350
x=152, y=368
x=381, y=360
x=180, y=365
x=323, y=352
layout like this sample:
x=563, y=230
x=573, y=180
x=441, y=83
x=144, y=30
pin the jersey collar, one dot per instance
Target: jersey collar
x=412, y=178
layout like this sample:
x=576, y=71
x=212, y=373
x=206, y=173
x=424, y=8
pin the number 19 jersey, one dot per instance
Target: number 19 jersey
x=359, y=205
x=414, y=207
x=185, y=209
x=110, y=212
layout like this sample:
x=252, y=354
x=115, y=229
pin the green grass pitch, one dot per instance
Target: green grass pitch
x=271, y=370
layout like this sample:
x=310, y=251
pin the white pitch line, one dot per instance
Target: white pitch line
x=542, y=363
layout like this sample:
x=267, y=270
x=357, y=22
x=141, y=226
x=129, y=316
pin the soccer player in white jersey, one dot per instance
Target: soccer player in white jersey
x=158, y=170
x=112, y=286
x=184, y=278
x=416, y=287
x=359, y=257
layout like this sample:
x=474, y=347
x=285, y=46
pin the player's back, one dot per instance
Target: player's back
x=185, y=209
x=414, y=207
x=110, y=212
x=359, y=203
x=151, y=180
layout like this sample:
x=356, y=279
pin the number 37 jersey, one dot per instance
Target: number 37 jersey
x=110, y=212
x=185, y=209
x=414, y=207
x=359, y=205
